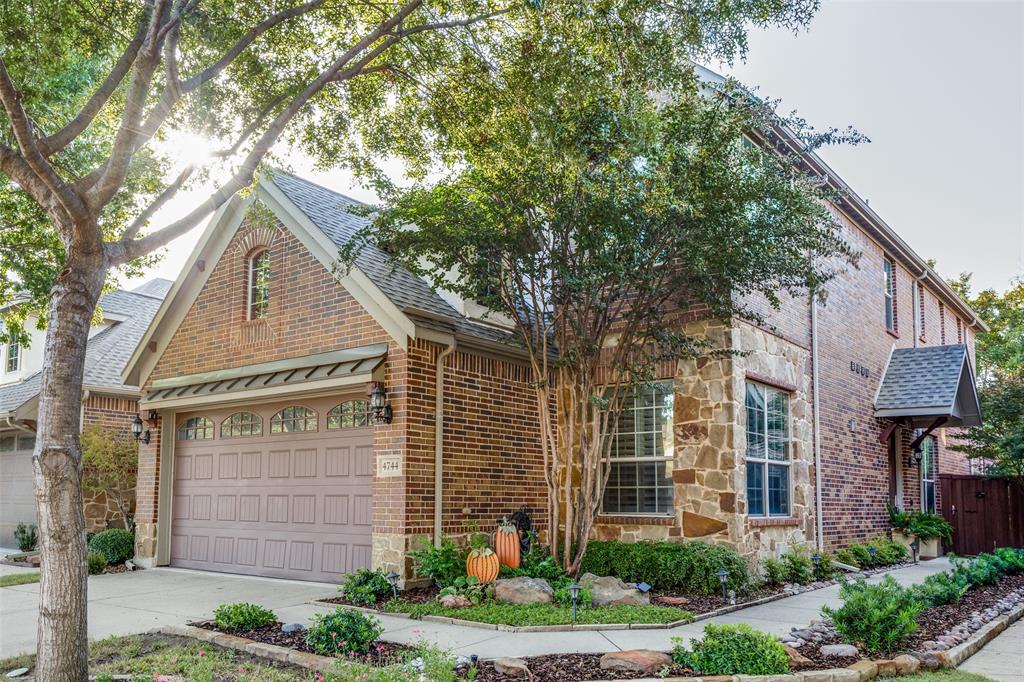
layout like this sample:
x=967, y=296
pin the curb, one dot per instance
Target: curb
x=249, y=646
x=732, y=608
x=961, y=652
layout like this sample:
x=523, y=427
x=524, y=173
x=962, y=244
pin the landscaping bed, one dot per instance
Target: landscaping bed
x=566, y=668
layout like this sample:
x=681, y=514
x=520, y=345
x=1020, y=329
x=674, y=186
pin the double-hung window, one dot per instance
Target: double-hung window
x=640, y=479
x=768, y=451
x=929, y=452
x=259, y=284
x=13, y=356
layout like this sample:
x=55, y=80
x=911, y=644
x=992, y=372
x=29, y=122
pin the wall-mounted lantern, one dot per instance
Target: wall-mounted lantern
x=382, y=413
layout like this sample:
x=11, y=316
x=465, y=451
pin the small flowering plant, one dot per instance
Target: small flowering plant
x=343, y=632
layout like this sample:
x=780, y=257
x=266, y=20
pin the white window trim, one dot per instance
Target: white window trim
x=889, y=289
x=669, y=458
x=933, y=457
x=765, y=461
x=7, y=358
x=249, y=265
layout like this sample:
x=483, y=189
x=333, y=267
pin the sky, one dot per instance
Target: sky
x=938, y=87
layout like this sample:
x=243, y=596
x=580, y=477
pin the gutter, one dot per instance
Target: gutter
x=819, y=523
x=439, y=439
x=18, y=424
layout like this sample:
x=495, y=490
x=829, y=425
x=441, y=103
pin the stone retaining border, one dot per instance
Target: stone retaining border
x=249, y=646
x=598, y=626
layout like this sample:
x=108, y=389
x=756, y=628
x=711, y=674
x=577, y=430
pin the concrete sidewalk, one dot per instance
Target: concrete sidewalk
x=776, y=617
x=1002, y=659
x=125, y=603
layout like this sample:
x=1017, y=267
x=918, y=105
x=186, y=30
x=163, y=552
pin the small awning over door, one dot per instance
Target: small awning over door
x=928, y=386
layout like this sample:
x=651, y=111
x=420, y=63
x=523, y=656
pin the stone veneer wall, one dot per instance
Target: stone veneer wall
x=710, y=442
x=115, y=414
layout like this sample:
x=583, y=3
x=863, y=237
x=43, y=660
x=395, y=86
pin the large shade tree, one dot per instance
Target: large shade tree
x=599, y=224
x=88, y=88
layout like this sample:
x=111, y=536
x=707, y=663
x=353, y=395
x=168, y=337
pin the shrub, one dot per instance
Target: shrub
x=826, y=567
x=888, y=552
x=689, y=566
x=366, y=587
x=924, y=525
x=96, y=562
x=538, y=564
x=984, y=569
x=26, y=536
x=877, y=616
x=775, y=572
x=733, y=650
x=116, y=544
x=342, y=632
x=847, y=556
x=562, y=596
x=242, y=617
x=470, y=588
x=1013, y=558
x=942, y=588
x=799, y=567
x=445, y=564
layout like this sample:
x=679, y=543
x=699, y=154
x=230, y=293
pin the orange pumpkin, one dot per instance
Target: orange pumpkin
x=483, y=565
x=506, y=544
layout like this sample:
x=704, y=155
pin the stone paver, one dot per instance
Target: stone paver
x=136, y=602
x=1002, y=659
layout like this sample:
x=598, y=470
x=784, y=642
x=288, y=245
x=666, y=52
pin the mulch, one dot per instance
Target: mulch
x=415, y=595
x=566, y=668
x=381, y=654
x=704, y=603
x=931, y=623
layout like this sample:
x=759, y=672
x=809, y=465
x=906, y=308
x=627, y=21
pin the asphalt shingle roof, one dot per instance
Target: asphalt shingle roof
x=923, y=377
x=108, y=350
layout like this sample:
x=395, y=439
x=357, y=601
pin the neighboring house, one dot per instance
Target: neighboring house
x=267, y=457
x=106, y=400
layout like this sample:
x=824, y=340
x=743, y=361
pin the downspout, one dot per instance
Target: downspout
x=439, y=439
x=819, y=524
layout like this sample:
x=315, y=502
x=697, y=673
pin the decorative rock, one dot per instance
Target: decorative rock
x=839, y=650
x=293, y=627
x=930, y=660
x=34, y=560
x=637, y=661
x=807, y=635
x=886, y=667
x=17, y=672
x=868, y=670
x=674, y=601
x=696, y=525
x=511, y=667
x=523, y=590
x=130, y=565
x=796, y=658
x=610, y=591
x=455, y=601
x=906, y=665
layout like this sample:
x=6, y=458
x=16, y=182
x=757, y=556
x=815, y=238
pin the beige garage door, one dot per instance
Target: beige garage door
x=17, y=499
x=281, y=490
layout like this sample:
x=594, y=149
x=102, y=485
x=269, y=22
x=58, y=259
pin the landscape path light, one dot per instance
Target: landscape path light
x=393, y=581
x=574, y=594
x=723, y=576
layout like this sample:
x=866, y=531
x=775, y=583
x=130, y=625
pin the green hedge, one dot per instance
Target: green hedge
x=686, y=566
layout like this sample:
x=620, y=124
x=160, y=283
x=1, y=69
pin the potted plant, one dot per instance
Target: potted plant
x=925, y=527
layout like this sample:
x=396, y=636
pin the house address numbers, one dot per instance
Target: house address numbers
x=860, y=369
x=389, y=465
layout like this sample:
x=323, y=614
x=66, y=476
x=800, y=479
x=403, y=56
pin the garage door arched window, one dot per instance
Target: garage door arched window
x=294, y=418
x=196, y=428
x=351, y=414
x=241, y=424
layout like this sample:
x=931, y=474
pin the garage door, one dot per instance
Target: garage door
x=281, y=490
x=17, y=499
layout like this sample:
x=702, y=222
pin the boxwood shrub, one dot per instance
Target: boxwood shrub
x=684, y=566
x=342, y=632
x=242, y=617
x=117, y=545
x=733, y=650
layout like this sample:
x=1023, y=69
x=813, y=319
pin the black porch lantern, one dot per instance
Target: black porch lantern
x=137, y=430
x=382, y=413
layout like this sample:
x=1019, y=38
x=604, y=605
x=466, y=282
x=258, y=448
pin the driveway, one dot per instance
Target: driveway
x=125, y=603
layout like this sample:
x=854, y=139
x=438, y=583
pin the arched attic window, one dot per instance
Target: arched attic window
x=258, y=284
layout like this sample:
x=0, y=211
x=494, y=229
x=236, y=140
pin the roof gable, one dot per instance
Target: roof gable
x=929, y=382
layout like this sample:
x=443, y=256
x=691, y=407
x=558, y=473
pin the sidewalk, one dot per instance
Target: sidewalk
x=775, y=617
x=1002, y=659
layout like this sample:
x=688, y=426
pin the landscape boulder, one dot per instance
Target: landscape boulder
x=523, y=590
x=636, y=661
x=795, y=657
x=511, y=667
x=906, y=665
x=610, y=591
x=455, y=601
x=839, y=650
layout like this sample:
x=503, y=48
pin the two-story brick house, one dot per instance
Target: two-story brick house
x=269, y=455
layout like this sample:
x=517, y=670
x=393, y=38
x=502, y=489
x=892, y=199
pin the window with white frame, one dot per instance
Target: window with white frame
x=259, y=284
x=768, y=451
x=929, y=457
x=889, y=285
x=640, y=479
x=13, y=356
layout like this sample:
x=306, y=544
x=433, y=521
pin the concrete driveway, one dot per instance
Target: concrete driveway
x=125, y=603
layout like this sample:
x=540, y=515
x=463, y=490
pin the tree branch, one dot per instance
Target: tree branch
x=63, y=137
x=252, y=127
x=455, y=23
x=163, y=198
x=40, y=167
x=126, y=250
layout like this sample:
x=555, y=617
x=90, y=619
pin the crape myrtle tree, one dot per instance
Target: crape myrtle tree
x=587, y=186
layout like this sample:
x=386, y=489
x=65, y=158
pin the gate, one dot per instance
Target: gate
x=985, y=513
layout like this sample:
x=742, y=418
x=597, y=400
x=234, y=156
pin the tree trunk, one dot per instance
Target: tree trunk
x=62, y=648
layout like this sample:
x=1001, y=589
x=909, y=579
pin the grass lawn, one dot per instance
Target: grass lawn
x=21, y=578
x=498, y=613
x=943, y=676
